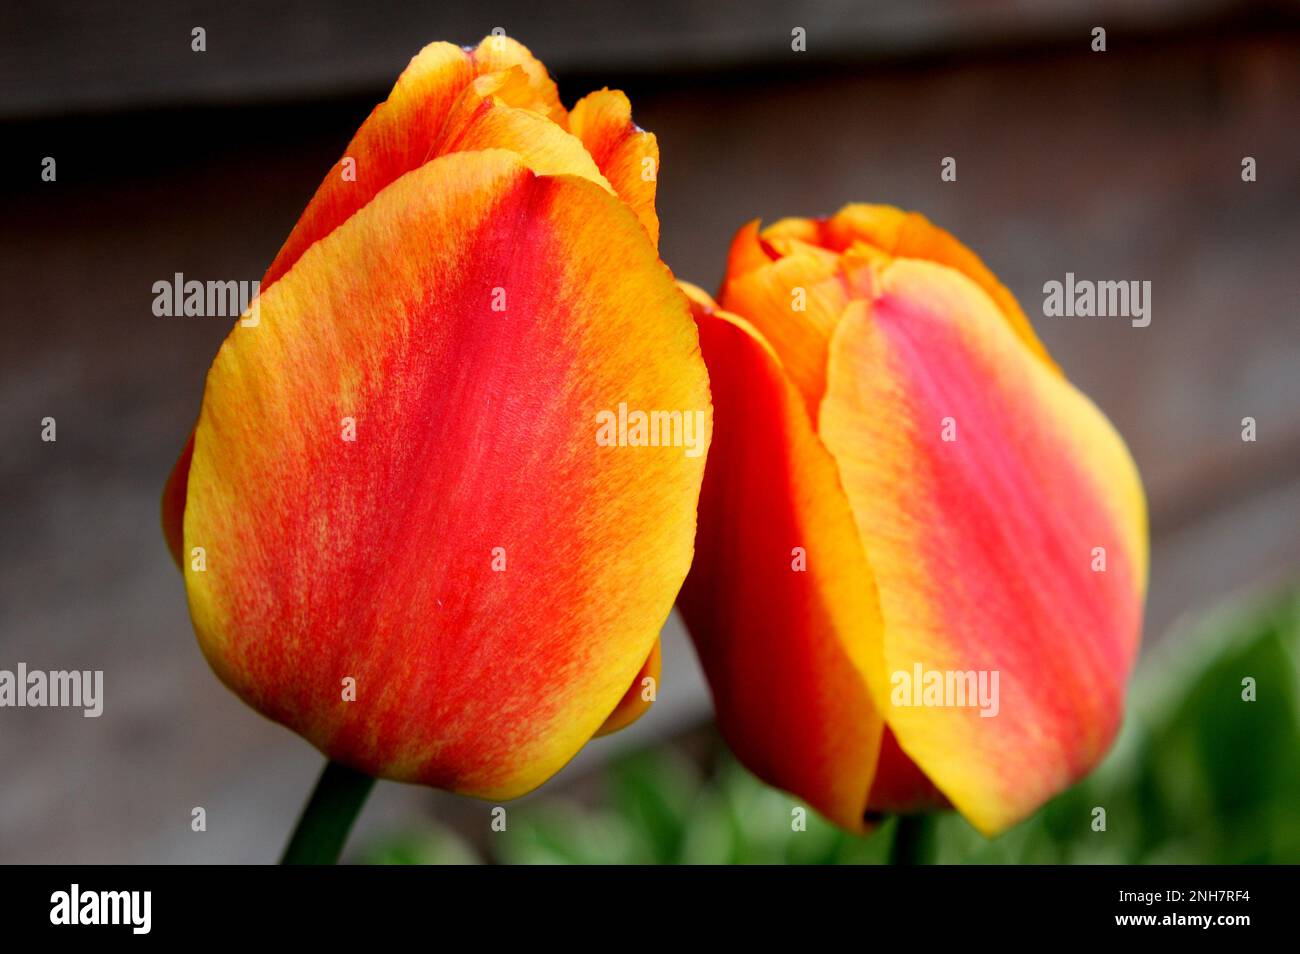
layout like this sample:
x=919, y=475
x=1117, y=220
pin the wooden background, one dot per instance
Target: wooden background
x=1122, y=165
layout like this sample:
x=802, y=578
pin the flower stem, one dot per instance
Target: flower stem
x=913, y=841
x=328, y=816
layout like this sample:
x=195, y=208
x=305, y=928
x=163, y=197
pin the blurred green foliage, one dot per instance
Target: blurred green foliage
x=1198, y=775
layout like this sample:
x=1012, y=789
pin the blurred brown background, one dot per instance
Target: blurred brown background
x=1117, y=165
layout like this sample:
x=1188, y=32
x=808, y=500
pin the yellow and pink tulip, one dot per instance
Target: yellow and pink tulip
x=902, y=481
x=398, y=533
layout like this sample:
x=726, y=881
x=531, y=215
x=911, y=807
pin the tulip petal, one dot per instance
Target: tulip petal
x=983, y=546
x=398, y=136
x=542, y=145
x=634, y=705
x=497, y=53
x=786, y=637
x=475, y=429
x=410, y=128
x=173, y=501
x=911, y=235
x=626, y=154
x=900, y=787
x=748, y=251
x=794, y=303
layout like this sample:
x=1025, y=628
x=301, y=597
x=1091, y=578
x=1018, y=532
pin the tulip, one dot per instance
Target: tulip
x=907, y=509
x=399, y=535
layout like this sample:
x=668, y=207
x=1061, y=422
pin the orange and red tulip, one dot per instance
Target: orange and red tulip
x=394, y=490
x=903, y=482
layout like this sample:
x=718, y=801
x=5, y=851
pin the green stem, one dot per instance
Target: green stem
x=328, y=816
x=913, y=841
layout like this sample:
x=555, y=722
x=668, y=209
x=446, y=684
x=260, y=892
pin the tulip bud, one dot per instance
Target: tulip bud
x=418, y=556
x=947, y=640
